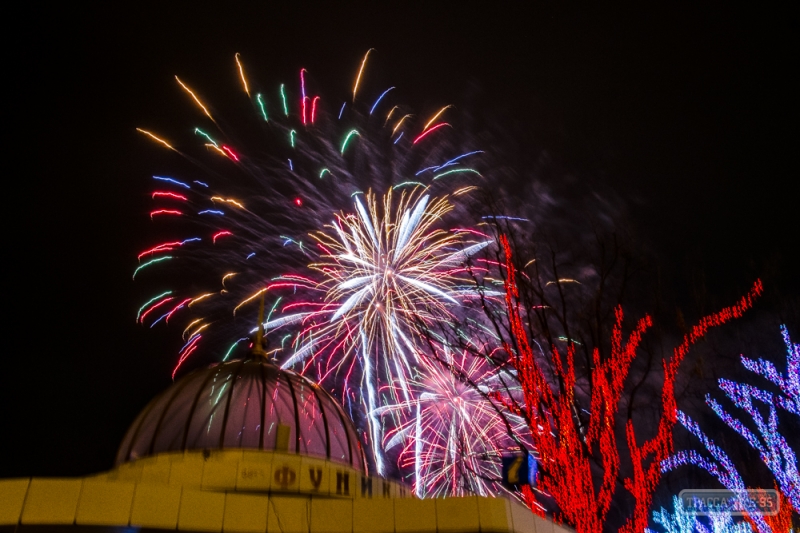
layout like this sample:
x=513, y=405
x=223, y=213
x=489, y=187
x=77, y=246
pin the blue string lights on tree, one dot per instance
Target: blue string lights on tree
x=685, y=520
x=768, y=441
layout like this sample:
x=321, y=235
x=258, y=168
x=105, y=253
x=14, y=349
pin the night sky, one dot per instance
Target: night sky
x=688, y=114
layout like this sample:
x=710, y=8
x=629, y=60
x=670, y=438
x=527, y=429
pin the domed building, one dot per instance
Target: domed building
x=248, y=404
x=245, y=446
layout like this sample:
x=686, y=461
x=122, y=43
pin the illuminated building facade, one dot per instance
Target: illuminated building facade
x=244, y=446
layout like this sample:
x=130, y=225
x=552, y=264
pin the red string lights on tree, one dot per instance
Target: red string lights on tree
x=568, y=451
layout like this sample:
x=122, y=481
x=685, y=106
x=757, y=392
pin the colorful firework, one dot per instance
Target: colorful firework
x=254, y=208
x=387, y=273
x=452, y=434
x=347, y=302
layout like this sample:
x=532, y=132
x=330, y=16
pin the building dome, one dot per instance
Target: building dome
x=244, y=404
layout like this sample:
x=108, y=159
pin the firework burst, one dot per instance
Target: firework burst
x=241, y=213
x=354, y=280
x=451, y=433
x=388, y=273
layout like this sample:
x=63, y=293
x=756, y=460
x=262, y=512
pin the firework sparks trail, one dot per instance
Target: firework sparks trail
x=353, y=295
x=386, y=271
x=451, y=432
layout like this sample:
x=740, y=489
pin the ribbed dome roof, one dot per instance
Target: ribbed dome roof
x=250, y=404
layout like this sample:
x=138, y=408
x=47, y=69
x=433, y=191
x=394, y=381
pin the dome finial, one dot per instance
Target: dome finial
x=258, y=348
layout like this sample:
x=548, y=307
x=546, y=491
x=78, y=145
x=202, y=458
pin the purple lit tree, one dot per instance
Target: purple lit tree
x=767, y=439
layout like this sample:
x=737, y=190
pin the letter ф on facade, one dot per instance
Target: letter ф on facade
x=245, y=446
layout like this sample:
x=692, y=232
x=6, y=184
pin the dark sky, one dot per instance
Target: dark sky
x=690, y=114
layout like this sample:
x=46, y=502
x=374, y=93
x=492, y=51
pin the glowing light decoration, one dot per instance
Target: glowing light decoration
x=570, y=454
x=771, y=445
x=682, y=520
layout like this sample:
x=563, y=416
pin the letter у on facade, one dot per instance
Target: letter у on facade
x=245, y=446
